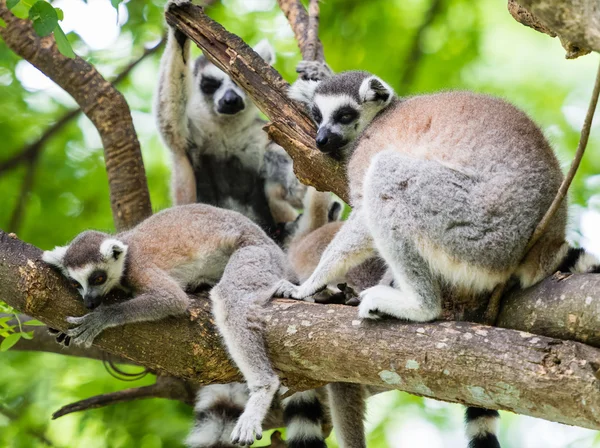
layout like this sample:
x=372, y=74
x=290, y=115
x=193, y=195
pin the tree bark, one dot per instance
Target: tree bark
x=576, y=23
x=291, y=127
x=309, y=44
x=102, y=103
x=310, y=345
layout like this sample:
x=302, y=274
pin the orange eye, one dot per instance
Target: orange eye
x=75, y=284
x=99, y=280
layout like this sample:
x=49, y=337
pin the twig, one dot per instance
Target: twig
x=312, y=32
x=32, y=150
x=17, y=215
x=414, y=55
x=493, y=309
x=299, y=20
x=165, y=387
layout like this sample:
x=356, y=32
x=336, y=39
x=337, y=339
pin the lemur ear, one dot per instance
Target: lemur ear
x=303, y=91
x=112, y=249
x=374, y=89
x=55, y=256
x=266, y=51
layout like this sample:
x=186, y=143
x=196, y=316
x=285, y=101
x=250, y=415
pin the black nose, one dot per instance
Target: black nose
x=92, y=301
x=231, y=103
x=322, y=141
x=329, y=142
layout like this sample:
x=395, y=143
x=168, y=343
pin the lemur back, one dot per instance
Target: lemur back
x=221, y=155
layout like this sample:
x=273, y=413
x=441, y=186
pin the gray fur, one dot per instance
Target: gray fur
x=176, y=250
x=220, y=155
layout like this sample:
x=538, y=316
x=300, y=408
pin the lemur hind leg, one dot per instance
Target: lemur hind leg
x=244, y=287
x=347, y=404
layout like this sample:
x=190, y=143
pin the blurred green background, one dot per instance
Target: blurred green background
x=415, y=45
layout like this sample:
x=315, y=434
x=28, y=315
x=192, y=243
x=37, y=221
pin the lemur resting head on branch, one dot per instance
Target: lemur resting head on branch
x=221, y=155
x=447, y=188
x=172, y=252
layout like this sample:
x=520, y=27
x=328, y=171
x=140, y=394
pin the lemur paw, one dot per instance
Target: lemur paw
x=247, y=427
x=88, y=327
x=176, y=3
x=369, y=307
x=313, y=70
x=61, y=338
x=288, y=290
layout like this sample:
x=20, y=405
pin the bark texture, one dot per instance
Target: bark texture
x=576, y=23
x=309, y=44
x=291, y=127
x=314, y=344
x=102, y=103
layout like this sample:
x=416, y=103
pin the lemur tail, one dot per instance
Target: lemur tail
x=578, y=261
x=482, y=428
x=217, y=410
x=303, y=414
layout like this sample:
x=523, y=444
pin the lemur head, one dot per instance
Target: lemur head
x=342, y=106
x=217, y=91
x=94, y=263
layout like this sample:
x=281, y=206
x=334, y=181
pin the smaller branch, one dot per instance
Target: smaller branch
x=310, y=46
x=493, y=309
x=17, y=215
x=32, y=150
x=312, y=33
x=165, y=387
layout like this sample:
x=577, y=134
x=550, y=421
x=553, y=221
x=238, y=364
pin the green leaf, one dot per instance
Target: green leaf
x=34, y=323
x=59, y=13
x=2, y=23
x=10, y=341
x=10, y=4
x=44, y=18
x=63, y=44
x=116, y=3
x=27, y=335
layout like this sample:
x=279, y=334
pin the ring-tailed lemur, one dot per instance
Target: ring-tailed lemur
x=218, y=406
x=221, y=155
x=177, y=250
x=445, y=187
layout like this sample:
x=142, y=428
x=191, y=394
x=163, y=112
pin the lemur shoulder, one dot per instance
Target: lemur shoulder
x=168, y=254
x=447, y=188
x=221, y=155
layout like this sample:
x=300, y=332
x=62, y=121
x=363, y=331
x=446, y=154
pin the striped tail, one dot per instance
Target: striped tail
x=482, y=427
x=217, y=410
x=303, y=415
x=578, y=261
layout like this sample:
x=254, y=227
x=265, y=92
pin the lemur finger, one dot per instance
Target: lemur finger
x=76, y=320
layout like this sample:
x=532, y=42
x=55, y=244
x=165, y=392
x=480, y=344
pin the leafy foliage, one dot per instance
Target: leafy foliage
x=467, y=45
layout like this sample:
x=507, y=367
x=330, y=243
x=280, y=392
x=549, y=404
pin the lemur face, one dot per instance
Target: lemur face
x=94, y=264
x=219, y=92
x=342, y=106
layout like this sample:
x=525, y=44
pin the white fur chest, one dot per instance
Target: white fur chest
x=206, y=268
x=227, y=137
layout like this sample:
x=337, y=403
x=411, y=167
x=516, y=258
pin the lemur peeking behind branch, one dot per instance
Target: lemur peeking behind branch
x=447, y=188
x=177, y=250
x=221, y=155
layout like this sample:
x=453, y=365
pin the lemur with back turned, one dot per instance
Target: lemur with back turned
x=447, y=188
x=172, y=252
x=220, y=153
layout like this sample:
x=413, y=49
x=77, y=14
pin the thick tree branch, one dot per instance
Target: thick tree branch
x=104, y=106
x=312, y=344
x=576, y=23
x=291, y=127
